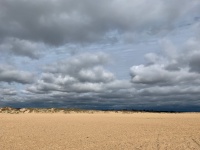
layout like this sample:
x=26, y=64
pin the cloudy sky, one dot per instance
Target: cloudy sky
x=107, y=54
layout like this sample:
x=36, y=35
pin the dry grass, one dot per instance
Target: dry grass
x=9, y=110
x=106, y=131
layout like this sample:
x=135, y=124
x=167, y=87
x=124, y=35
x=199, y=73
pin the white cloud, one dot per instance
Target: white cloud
x=10, y=74
x=81, y=73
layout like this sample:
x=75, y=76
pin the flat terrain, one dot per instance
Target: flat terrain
x=103, y=131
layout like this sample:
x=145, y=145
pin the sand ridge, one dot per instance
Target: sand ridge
x=100, y=130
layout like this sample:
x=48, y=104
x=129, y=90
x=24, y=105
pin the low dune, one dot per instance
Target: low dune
x=99, y=131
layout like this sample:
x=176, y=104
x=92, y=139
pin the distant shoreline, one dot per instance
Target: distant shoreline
x=11, y=110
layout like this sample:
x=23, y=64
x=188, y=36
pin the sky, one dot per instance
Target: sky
x=108, y=54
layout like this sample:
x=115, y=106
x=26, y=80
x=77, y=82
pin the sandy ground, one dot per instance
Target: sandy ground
x=103, y=131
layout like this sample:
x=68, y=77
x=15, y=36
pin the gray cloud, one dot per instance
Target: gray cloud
x=173, y=74
x=63, y=21
x=155, y=74
x=82, y=73
x=85, y=67
x=20, y=48
x=82, y=81
x=7, y=92
x=10, y=74
x=168, y=78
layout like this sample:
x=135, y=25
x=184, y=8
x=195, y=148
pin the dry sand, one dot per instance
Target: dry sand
x=106, y=131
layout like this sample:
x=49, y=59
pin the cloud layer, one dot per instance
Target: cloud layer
x=38, y=69
x=83, y=73
x=9, y=74
x=63, y=21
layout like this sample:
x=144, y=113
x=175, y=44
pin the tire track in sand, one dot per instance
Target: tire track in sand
x=196, y=143
x=158, y=142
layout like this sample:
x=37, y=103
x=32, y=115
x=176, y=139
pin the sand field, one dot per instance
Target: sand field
x=100, y=131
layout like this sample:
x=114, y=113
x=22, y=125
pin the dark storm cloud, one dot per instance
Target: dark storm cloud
x=9, y=74
x=63, y=21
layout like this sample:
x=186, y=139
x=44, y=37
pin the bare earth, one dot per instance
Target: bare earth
x=103, y=131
